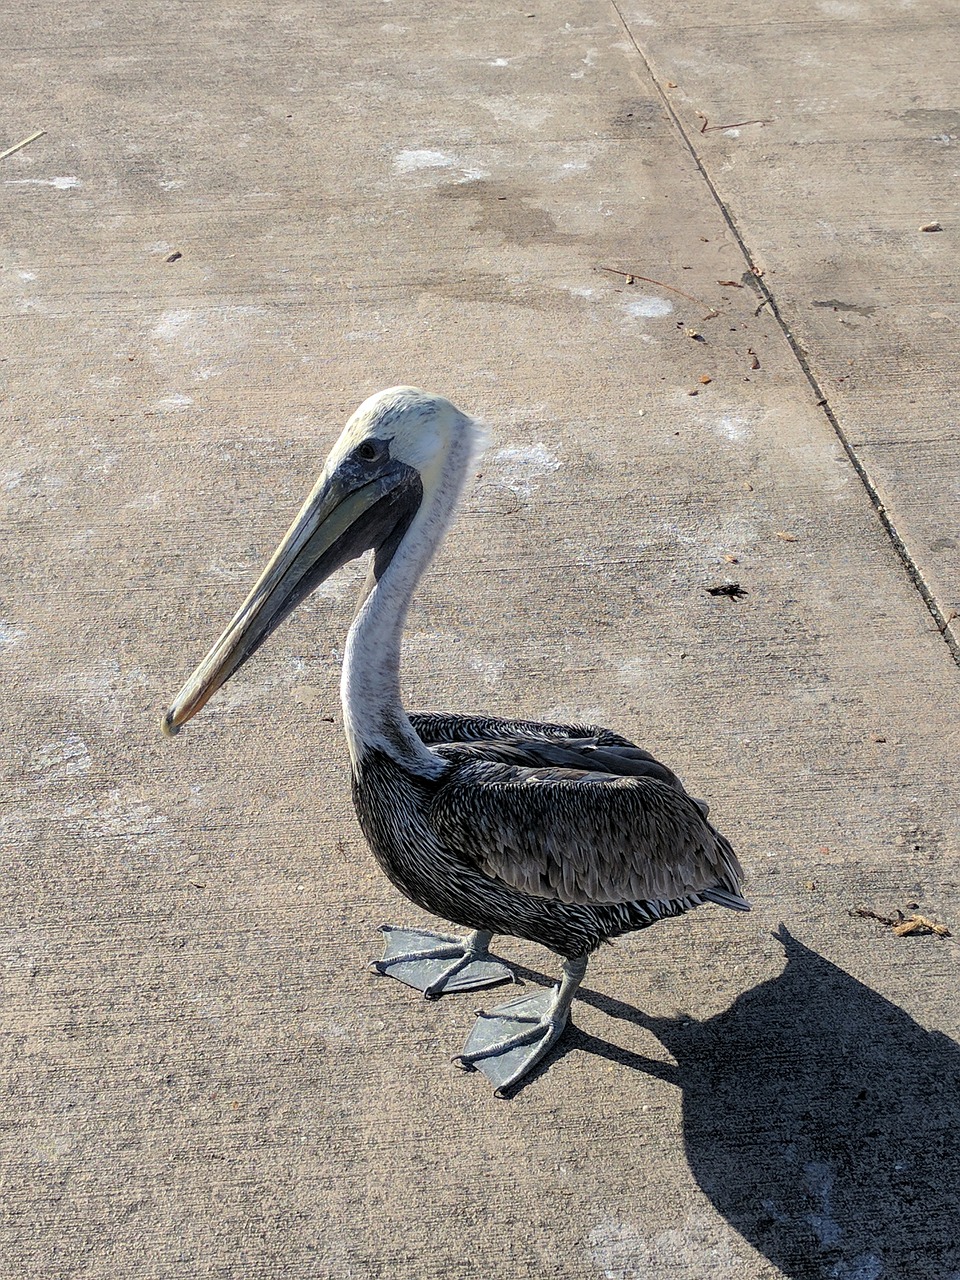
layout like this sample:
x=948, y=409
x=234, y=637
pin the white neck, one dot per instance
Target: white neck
x=373, y=717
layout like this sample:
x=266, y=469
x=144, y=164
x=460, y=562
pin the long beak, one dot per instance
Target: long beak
x=337, y=522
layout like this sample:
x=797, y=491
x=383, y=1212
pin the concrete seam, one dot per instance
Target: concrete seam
x=912, y=568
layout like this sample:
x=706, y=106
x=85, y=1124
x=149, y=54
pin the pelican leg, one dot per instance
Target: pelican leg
x=436, y=963
x=506, y=1042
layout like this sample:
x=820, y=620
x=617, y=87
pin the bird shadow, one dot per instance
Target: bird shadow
x=819, y=1118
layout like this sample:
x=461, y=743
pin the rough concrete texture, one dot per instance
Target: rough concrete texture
x=201, y=1079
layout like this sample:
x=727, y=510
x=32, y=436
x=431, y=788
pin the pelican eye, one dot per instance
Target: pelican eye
x=367, y=451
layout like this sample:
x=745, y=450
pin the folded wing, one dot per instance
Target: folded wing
x=580, y=835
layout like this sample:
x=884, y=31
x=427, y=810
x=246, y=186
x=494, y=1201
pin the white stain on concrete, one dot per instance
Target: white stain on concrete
x=490, y=670
x=412, y=161
x=589, y=62
x=363, y=335
x=639, y=17
x=59, y=761
x=27, y=275
x=425, y=161
x=172, y=324
x=819, y=1179
x=500, y=62
x=867, y=1266
x=841, y=9
x=518, y=111
x=519, y=468
x=673, y=533
x=733, y=427
x=146, y=501
x=9, y=634
x=106, y=462
x=136, y=827
x=737, y=531
x=700, y=1247
x=174, y=402
x=195, y=343
x=59, y=184
x=648, y=307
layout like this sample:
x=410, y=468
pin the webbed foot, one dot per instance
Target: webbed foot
x=511, y=1039
x=437, y=963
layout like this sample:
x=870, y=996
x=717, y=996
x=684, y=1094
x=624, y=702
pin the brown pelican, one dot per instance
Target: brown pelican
x=567, y=835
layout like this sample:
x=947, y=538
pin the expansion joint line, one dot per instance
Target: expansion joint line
x=943, y=623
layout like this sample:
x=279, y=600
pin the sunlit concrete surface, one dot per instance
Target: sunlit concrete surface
x=704, y=357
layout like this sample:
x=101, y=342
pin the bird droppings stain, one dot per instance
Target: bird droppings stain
x=589, y=62
x=173, y=402
x=59, y=184
x=171, y=324
x=57, y=761
x=649, y=307
x=841, y=9
x=819, y=1179
x=518, y=468
x=490, y=670
x=411, y=161
x=204, y=339
x=27, y=275
x=9, y=634
x=573, y=166
x=732, y=427
x=517, y=111
x=146, y=501
x=139, y=827
x=699, y=1247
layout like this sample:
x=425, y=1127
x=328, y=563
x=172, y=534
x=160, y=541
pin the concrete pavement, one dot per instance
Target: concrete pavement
x=201, y=1079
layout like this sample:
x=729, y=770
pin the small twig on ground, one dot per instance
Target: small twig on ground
x=631, y=276
x=871, y=915
x=18, y=146
x=947, y=620
x=741, y=124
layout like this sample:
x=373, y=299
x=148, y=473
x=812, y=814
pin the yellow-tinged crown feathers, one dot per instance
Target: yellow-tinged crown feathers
x=422, y=429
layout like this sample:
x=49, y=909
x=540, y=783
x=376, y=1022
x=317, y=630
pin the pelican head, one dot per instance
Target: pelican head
x=397, y=468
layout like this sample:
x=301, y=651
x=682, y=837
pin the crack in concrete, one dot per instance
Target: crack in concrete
x=944, y=620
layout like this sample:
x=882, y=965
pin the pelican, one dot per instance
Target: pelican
x=566, y=835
